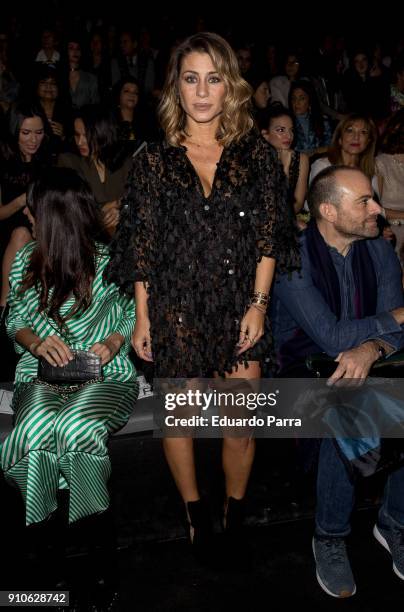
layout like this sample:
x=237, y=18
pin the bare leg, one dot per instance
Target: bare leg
x=179, y=453
x=19, y=238
x=238, y=453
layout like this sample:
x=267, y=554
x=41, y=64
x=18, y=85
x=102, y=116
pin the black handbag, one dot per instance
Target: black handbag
x=83, y=368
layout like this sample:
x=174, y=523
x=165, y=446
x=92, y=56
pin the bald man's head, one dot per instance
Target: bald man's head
x=328, y=187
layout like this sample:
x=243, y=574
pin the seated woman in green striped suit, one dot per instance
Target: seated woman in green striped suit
x=59, y=302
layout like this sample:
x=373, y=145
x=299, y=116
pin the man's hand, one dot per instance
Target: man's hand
x=398, y=314
x=355, y=364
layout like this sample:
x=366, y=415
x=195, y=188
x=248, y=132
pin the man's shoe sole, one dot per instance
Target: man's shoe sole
x=342, y=594
x=382, y=540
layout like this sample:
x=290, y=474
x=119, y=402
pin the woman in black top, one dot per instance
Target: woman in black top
x=206, y=221
x=102, y=161
x=24, y=155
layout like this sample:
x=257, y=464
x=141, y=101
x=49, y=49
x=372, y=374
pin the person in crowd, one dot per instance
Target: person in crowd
x=280, y=134
x=245, y=60
x=133, y=126
x=353, y=144
x=347, y=302
x=99, y=62
x=261, y=97
x=390, y=173
x=47, y=94
x=206, y=210
x=397, y=88
x=48, y=54
x=82, y=85
x=280, y=85
x=313, y=131
x=24, y=155
x=364, y=93
x=59, y=303
x=102, y=160
x=9, y=86
x=133, y=62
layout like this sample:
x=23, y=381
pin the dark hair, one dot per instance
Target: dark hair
x=257, y=78
x=117, y=88
x=43, y=72
x=274, y=111
x=316, y=117
x=102, y=136
x=325, y=188
x=16, y=117
x=67, y=224
x=393, y=137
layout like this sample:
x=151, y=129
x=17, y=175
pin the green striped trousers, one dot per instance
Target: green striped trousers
x=61, y=443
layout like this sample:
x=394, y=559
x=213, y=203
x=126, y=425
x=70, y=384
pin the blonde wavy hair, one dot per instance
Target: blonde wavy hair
x=367, y=157
x=235, y=119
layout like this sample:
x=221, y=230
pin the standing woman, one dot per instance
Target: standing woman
x=204, y=227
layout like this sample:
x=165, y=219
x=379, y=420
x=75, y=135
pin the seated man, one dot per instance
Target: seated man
x=348, y=303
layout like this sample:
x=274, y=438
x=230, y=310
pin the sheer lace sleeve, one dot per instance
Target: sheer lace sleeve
x=277, y=234
x=132, y=247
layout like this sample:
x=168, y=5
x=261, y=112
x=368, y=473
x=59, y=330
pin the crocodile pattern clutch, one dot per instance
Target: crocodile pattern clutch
x=84, y=366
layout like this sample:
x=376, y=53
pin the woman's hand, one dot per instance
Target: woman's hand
x=57, y=128
x=251, y=329
x=141, y=339
x=53, y=349
x=110, y=212
x=108, y=348
x=21, y=201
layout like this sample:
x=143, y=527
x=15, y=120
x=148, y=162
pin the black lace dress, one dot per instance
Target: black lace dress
x=199, y=254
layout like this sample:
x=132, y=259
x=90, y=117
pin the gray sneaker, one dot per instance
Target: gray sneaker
x=392, y=539
x=333, y=569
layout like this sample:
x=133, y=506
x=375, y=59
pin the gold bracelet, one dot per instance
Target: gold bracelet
x=257, y=300
x=257, y=307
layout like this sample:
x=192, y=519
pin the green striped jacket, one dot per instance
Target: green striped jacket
x=110, y=311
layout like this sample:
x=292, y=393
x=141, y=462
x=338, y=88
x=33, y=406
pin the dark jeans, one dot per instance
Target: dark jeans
x=336, y=495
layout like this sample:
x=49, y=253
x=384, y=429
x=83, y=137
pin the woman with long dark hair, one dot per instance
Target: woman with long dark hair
x=132, y=120
x=313, y=131
x=24, y=154
x=102, y=160
x=59, y=303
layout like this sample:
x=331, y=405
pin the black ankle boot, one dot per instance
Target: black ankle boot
x=233, y=520
x=237, y=552
x=200, y=530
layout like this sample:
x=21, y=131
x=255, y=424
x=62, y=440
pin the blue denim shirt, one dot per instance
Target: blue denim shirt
x=297, y=303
